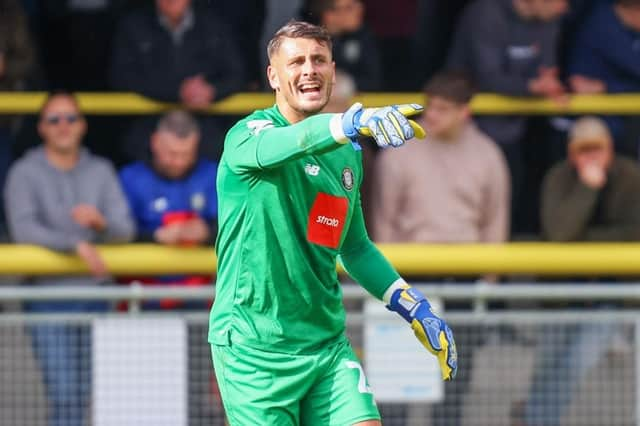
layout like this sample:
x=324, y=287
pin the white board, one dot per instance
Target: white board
x=398, y=367
x=139, y=372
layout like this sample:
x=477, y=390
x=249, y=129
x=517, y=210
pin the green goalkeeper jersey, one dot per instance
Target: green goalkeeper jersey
x=289, y=204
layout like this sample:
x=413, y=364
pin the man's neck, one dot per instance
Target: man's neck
x=289, y=113
x=64, y=161
x=453, y=135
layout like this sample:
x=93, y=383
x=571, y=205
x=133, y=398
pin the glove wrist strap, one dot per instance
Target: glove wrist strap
x=406, y=301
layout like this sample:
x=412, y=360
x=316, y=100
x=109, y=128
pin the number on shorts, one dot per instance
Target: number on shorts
x=363, y=387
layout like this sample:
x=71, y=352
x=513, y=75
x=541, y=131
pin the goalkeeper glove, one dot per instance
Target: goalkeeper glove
x=388, y=126
x=433, y=332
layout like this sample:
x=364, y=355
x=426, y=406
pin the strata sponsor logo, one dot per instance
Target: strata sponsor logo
x=256, y=126
x=326, y=220
x=311, y=169
x=329, y=221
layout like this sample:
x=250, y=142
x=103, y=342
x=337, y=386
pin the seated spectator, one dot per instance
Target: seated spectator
x=63, y=198
x=176, y=53
x=453, y=188
x=354, y=48
x=516, y=57
x=592, y=196
x=173, y=197
x=604, y=57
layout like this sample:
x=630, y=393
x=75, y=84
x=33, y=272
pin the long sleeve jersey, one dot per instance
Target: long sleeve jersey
x=288, y=206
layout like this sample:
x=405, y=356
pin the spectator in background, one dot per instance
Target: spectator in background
x=454, y=188
x=174, y=201
x=176, y=53
x=17, y=64
x=394, y=26
x=246, y=18
x=592, y=196
x=354, y=48
x=516, y=57
x=173, y=197
x=61, y=197
x=605, y=58
x=436, y=22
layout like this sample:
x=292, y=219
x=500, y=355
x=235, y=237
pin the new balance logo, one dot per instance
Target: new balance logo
x=311, y=169
x=329, y=221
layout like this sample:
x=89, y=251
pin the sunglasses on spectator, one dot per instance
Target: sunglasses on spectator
x=55, y=119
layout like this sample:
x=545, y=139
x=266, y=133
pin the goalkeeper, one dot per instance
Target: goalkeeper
x=289, y=205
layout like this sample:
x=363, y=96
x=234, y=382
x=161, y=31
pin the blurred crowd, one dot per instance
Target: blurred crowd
x=479, y=179
x=72, y=181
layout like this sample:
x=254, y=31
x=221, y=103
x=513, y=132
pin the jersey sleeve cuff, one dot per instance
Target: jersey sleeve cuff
x=335, y=126
x=398, y=284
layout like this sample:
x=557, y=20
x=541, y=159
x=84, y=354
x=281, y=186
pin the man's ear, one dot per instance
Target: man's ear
x=273, y=78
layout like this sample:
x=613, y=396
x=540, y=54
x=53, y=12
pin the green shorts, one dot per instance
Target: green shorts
x=327, y=388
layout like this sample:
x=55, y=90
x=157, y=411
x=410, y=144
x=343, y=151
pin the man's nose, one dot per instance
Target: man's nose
x=308, y=68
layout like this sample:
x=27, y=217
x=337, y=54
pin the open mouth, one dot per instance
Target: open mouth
x=311, y=89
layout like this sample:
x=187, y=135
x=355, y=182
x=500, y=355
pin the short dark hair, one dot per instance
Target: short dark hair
x=453, y=86
x=179, y=123
x=59, y=94
x=298, y=29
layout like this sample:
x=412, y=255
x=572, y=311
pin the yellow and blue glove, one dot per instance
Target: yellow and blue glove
x=432, y=331
x=388, y=126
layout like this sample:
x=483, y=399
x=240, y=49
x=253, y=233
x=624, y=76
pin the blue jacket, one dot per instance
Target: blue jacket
x=152, y=196
x=607, y=50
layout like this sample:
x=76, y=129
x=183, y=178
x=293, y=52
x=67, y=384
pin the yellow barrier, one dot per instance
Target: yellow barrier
x=411, y=259
x=242, y=103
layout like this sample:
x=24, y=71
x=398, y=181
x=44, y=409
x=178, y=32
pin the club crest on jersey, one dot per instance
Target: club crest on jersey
x=347, y=178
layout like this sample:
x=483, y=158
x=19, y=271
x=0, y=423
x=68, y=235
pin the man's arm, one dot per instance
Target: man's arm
x=23, y=219
x=256, y=145
x=567, y=205
x=497, y=204
x=120, y=227
x=364, y=262
x=362, y=259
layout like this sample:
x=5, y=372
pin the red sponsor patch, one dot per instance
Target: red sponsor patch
x=326, y=220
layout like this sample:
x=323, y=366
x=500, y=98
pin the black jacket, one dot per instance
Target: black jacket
x=146, y=60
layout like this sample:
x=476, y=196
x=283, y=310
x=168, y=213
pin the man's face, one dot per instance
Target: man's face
x=173, y=10
x=174, y=156
x=444, y=118
x=61, y=125
x=591, y=155
x=302, y=73
x=345, y=16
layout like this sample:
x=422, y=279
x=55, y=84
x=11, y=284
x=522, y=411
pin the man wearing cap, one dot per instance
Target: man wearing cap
x=592, y=196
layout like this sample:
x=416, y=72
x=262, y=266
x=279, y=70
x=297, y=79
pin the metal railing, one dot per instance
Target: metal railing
x=418, y=260
x=243, y=103
x=508, y=365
